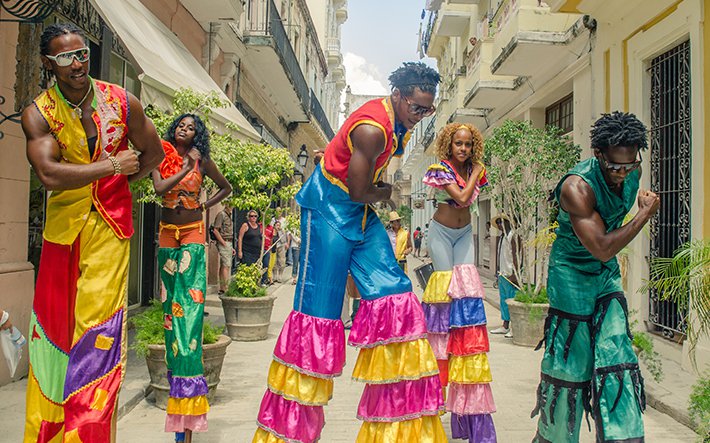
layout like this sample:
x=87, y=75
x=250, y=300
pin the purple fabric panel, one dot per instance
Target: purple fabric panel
x=475, y=428
x=87, y=363
x=186, y=387
x=437, y=316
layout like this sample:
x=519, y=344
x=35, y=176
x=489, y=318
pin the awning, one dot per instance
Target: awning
x=165, y=62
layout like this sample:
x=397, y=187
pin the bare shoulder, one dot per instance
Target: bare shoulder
x=33, y=124
x=368, y=138
x=576, y=196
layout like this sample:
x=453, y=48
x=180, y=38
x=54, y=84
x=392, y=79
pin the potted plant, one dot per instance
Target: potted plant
x=699, y=407
x=247, y=307
x=150, y=343
x=527, y=313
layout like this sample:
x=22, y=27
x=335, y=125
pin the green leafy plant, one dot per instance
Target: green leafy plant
x=528, y=293
x=245, y=283
x=685, y=280
x=643, y=346
x=699, y=407
x=524, y=165
x=149, y=326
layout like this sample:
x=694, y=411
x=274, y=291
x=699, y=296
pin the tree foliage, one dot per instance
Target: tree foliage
x=524, y=164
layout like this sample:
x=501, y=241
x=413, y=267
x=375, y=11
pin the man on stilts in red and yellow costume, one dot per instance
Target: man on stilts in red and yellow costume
x=77, y=142
x=341, y=232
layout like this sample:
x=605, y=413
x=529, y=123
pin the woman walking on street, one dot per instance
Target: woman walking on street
x=279, y=251
x=249, y=240
x=453, y=299
x=181, y=258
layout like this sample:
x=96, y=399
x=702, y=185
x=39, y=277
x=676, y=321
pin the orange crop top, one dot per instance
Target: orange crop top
x=187, y=192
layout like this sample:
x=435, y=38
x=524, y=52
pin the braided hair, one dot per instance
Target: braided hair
x=55, y=30
x=618, y=129
x=201, y=141
x=414, y=75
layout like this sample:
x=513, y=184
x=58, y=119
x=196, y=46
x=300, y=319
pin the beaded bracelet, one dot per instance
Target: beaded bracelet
x=116, y=165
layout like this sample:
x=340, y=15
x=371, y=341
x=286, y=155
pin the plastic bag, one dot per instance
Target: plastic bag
x=11, y=342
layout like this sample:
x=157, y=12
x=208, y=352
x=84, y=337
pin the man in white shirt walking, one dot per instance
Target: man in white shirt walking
x=508, y=250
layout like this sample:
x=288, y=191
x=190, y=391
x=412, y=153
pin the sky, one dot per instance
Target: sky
x=377, y=37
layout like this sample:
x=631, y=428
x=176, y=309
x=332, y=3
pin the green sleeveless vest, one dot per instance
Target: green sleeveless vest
x=567, y=249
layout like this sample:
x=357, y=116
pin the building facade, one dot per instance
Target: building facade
x=565, y=62
x=273, y=71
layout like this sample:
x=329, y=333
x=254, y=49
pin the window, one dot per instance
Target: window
x=561, y=114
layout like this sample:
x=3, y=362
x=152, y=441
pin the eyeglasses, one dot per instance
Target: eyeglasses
x=252, y=215
x=423, y=111
x=64, y=59
x=617, y=167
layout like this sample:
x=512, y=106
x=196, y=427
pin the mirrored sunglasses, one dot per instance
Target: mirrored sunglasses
x=417, y=109
x=617, y=167
x=64, y=59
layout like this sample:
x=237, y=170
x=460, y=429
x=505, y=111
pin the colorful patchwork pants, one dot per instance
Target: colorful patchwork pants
x=77, y=337
x=589, y=364
x=456, y=323
x=402, y=397
x=181, y=258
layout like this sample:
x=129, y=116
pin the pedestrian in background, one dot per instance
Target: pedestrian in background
x=78, y=134
x=508, y=261
x=224, y=233
x=417, y=241
x=249, y=240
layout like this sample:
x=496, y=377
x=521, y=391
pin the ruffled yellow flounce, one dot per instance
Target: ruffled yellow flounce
x=393, y=362
x=188, y=406
x=469, y=369
x=426, y=429
x=437, y=288
x=301, y=388
x=262, y=436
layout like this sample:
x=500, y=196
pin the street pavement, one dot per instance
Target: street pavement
x=232, y=417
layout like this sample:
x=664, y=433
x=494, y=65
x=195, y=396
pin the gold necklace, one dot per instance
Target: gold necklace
x=77, y=107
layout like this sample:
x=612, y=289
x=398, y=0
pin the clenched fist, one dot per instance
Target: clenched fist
x=648, y=202
x=128, y=160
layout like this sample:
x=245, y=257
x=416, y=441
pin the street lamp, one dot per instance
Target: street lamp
x=303, y=156
x=298, y=175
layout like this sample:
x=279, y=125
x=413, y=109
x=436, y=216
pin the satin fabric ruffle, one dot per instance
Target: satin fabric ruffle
x=468, y=341
x=391, y=319
x=437, y=317
x=263, y=436
x=289, y=420
x=439, y=344
x=469, y=369
x=475, y=428
x=437, y=288
x=178, y=423
x=469, y=399
x=321, y=349
x=400, y=401
x=184, y=387
x=395, y=362
x=188, y=406
x=427, y=429
x=467, y=312
x=465, y=282
x=298, y=387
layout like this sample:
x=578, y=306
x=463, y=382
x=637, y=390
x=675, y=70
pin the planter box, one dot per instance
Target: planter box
x=527, y=321
x=212, y=357
x=247, y=318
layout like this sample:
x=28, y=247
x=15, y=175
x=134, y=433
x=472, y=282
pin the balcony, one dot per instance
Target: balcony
x=270, y=54
x=214, y=10
x=464, y=2
x=319, y=115
x=333, y=54
x=341, y=12
x=475, y=117
x=525, y=34
x=487, y=90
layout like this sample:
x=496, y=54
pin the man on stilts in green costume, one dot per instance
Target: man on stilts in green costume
x=589, y=364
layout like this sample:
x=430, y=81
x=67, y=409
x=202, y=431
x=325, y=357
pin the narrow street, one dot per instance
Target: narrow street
x=232, y=417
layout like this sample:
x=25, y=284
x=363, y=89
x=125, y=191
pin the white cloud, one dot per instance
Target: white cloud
x=363, y=77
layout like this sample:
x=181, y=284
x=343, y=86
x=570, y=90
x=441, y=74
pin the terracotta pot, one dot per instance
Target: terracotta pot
x=527, y=321
x=247, y=318
x=212, y=357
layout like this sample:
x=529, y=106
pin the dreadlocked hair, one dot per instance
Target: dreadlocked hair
x=201, y=141
x=55, y=30
x=446, y=137
x=619, y=129
x=414, y=75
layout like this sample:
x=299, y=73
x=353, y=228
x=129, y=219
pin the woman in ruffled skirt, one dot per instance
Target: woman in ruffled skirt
x=453, y=299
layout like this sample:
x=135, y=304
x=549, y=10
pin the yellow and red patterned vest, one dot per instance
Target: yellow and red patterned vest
x=67, y=210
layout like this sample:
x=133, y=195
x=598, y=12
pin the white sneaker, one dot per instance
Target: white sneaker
x=509, y=334
x=500, y=330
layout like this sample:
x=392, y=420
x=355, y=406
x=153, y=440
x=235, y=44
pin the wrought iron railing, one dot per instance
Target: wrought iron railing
x=263, y=19
x=33, y=11
x=670, y=171
x=319, y=115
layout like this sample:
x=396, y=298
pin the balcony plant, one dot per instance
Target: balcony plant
x=150, y=344
x=247, y=307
